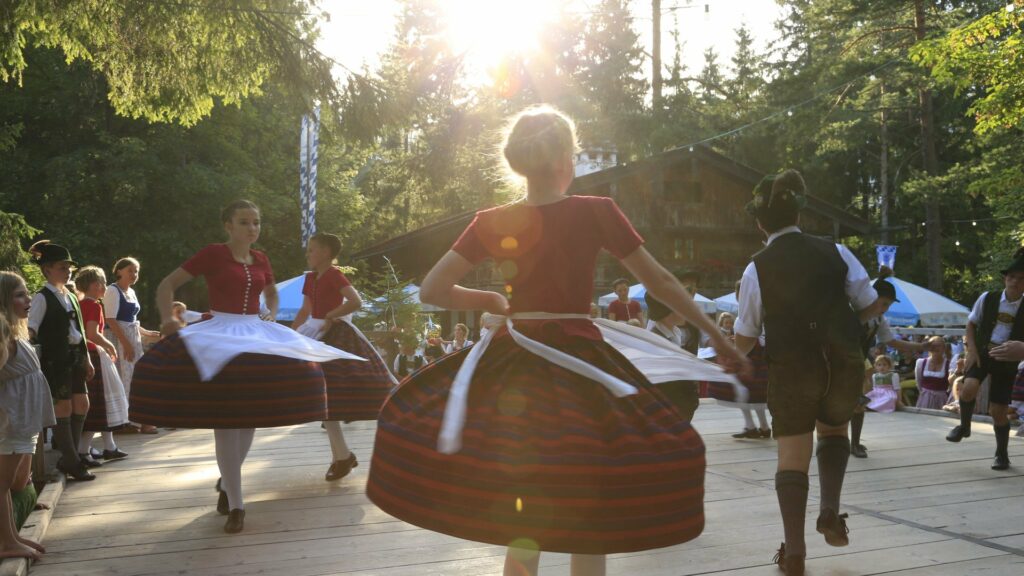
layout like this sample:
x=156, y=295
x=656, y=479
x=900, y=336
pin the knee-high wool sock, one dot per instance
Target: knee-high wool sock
x=856, y=426
x=833, y=453
x=966, y=413
x=77, y=427
x=1002, y=439
x=791, y=490
x=339, y=449
x=63, y=442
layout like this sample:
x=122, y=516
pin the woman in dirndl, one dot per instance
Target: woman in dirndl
x=236, y=371
x=355, y=390
x=121, y=307
x=543, y=436
x=932, y=375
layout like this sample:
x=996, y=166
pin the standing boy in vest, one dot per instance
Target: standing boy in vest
x=997, y=318
x=800, y=289
x=55, y=323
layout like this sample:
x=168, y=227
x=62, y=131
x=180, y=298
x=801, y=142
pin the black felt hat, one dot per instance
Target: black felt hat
x=46, y=253
x=1017, y=264
x=885, y=289
x=655, y=309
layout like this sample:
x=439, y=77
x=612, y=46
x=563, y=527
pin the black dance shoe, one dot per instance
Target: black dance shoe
x=222, y=500
x=858, y=451
x=236, y=521
x=89, y=461
x=748, y=433
x=78, y=473
x=833, y=527
x=790, y=565
x=958, y=433
x=340, y=468
x=113, y=454
x=1001, y=462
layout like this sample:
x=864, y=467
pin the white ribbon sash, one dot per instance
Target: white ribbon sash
x=652, y=355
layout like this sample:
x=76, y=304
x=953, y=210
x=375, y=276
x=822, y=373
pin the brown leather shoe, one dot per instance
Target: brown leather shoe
x=340, y=468
x=790, y=565
x=833, y=527
x=236, y=521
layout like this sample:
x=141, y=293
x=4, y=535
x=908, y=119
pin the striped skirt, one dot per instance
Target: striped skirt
x=757, y=384
x=1017, y=395
x=98, y=419
x=550, y=459
x=252, y=390
x=355, y=390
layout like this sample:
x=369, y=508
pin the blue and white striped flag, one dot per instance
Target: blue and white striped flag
x=886, y=256
x=309, y=140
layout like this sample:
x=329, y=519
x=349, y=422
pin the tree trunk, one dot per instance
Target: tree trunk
x=883, y=173
x=933, y=234
x=656, y=58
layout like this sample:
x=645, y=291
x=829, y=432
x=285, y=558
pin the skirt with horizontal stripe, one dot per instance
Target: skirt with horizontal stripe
x=355, y=390
x=756, y=383
x=97, y=420
x=1017, y=394
x=251, y=391
x=550, y=459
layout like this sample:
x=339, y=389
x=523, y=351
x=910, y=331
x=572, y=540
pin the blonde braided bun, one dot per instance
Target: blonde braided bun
x=538, y=140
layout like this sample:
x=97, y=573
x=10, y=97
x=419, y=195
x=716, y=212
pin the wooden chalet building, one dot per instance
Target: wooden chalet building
x=687, y=203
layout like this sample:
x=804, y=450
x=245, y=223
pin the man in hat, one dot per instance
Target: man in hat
x=997, y=318
x=878, y=332
x=55, y=323
x=800, y=289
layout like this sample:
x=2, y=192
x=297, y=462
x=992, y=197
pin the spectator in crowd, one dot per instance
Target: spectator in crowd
x=460, y=339
x=623, y=309
x=932, y=376
x=408, y=359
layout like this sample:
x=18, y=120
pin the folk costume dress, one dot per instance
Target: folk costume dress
x=885, y=390
x=26, y=406
x=123, y=307
x=543, y=434
x=932, y=386
x=355, y=390
x=108, y=405
x=234, y=370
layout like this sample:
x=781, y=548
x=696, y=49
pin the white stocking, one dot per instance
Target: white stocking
x=339, y=449
x=748, y=419
x=232, y=447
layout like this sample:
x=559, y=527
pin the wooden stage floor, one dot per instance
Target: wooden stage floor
x=918, y=506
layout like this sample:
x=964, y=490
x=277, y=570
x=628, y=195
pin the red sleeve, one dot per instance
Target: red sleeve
x=635, y=310
x=202, y=262
x=307, y=284
x=617, y=234
x=90, y=311
x=268, y=271
x=342, y=281
x=470, y=246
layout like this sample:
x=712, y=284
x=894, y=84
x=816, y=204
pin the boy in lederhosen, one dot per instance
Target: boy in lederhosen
x=997, y=318
x=55, y=323
x=799, y=289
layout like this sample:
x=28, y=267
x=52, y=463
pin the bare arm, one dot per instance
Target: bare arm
x=165, y=300
x=906, y=346
x=92, y=334
x=745, y=343
x=351, y=303
x=440, y=289
x=273, y=301
x=303, y=314
x=664, y=286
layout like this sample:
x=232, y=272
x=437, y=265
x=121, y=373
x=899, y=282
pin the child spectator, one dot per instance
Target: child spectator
x=885, y=387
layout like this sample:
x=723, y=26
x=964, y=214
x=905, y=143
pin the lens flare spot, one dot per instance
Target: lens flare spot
x=519, y=504
x=511, y=402
x=509, y=269
x=527, y=545
x=509, y=243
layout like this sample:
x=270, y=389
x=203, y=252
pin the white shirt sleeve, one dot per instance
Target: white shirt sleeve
x=975, y=315
x=396, y=363
x=750, y=317
x=111, y=302
x=884, y=333
x=36, y=312
x=858, y=284
x=919, y=371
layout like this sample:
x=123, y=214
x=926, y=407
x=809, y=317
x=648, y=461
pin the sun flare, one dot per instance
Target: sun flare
x=488, y=30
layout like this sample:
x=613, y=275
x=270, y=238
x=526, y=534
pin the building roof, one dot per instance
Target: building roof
x=452, y=226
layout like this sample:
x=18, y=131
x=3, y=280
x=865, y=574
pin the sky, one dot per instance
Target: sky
x=360, y=30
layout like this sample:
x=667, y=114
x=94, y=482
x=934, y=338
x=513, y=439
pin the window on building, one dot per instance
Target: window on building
x=683, y=249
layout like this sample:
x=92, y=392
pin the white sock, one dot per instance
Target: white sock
x=85, y=443
x=108, y=441
x=748, y=418
x=232, y=446
x=339, y=449
x=762, y=418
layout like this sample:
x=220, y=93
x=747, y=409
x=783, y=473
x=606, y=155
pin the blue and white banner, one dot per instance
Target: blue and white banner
x=886, y=256
x=309, y=141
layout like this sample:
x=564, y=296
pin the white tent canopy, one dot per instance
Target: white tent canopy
x=638, y=291
x=920, y=305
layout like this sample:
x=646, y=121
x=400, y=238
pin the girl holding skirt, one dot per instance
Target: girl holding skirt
x=542, y=435
x=355, y=390
x=236, y=371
